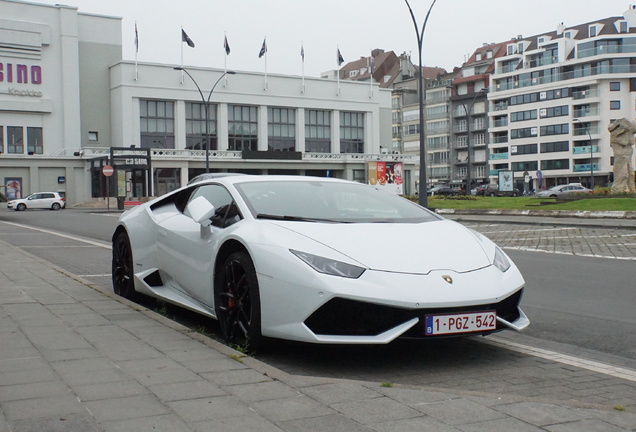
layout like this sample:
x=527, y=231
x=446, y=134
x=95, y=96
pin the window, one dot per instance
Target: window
x=195, y=126
x=242, y=128
x=553, y=147
x=558, y=129
x=510, y=49
x=615, y=86
x=592, y=31
x=281, y=129
x=34, y=140
x=555, y=164
x=523, y=149
x=1, y=139
x=318, y=131
x=413, y=129
x=157, y=124
x=615, y=105
x=523, y=133
x=15, y=144
x=93, y=136
x=524, y=166
x=623, y=27
x=523, y=115
x=557, y=111
x=226, y=212
x=351, y=132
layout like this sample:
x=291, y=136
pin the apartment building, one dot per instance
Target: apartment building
x=552, y=97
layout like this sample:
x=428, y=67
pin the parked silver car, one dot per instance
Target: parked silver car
x=38, y=200
x=561, y=190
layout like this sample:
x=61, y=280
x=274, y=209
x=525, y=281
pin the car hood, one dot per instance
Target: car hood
x=404, y=248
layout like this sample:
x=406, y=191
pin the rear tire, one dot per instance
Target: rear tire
x=56, y=206
x=122, y=267
x=238, y=303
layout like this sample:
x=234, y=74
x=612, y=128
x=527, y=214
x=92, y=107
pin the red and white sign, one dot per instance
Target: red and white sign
x=107, y=170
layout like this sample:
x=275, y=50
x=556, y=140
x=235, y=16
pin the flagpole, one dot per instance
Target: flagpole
x=136, y=50
x=265, y=42
x=338, y=69
x=182, y=74
x=371, y=66
x=225, y=45
x=302, y=55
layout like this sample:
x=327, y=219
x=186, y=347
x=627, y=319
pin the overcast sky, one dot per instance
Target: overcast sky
x=455, y=28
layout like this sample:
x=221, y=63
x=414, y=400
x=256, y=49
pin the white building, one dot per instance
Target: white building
x=552, y=97
x=69, y=106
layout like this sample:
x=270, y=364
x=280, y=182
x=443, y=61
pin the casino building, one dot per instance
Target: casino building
x=69, y=105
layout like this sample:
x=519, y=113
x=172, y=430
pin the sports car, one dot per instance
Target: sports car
x=317, y=260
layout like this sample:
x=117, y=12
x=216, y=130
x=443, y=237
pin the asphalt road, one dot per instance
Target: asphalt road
x=581, y=303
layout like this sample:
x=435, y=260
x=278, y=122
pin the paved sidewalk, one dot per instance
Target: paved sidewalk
x=76, y=359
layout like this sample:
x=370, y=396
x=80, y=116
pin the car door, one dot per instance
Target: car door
x=187, y=249
x=36, y=201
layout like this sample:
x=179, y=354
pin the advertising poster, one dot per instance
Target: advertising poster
x=506, y=181
x=387, y=176
x=13, y=188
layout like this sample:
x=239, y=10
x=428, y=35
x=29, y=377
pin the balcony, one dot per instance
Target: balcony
x=499, y=139
x=584, y=131
x=585, y=167
x=499, y=123
x=585, y=149
x=585, y=94
x=498, y=156
x=586, y=112
x=604, y=50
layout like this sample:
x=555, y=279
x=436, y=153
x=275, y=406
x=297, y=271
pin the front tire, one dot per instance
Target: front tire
x=21, y=207
x=237, y=301
x=122, y=267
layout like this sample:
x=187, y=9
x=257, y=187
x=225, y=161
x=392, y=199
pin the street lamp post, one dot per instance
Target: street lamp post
x=206, y=107
x=468, y=111
x=422, y=199
x=587, y=129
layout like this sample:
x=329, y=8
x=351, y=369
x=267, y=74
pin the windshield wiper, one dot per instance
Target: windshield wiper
x=295, y=218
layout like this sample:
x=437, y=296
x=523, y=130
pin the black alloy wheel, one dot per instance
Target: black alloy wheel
x=237, y=300
x=122, y=267
x=21, y=207
x=56, y=206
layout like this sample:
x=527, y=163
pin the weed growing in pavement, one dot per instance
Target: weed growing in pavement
x=203, y=330
x=619, y=407
x=387, y=384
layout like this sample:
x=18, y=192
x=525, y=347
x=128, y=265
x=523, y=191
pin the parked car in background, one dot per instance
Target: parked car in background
x=440, y=190
x=493, y=190
x=561, y=190
x=38, y=200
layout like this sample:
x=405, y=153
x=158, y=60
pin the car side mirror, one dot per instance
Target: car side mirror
x=201, y=211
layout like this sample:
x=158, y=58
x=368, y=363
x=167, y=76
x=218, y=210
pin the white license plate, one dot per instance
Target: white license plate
x=460, y=323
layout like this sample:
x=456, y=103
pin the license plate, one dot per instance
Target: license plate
x=460, y=323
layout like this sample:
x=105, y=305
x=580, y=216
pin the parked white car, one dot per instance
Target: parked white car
x=38, y=200
x=561, y=190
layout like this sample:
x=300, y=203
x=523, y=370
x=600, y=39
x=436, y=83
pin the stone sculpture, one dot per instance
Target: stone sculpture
x=622, y=141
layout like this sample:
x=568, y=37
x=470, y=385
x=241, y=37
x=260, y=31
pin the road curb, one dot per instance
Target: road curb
x=585, y=214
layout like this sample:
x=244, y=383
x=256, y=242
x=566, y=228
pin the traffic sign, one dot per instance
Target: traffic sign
x=107, y=170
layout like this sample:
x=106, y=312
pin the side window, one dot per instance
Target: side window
x=36, y=196
x=226, y=212
x=47, y=195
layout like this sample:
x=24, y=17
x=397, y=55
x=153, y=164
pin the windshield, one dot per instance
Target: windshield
x=325, y=201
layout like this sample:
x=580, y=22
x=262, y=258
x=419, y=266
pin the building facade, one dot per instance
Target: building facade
x=553, y=97
x=69, y=106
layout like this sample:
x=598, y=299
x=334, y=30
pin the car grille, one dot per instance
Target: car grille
x=346, y=317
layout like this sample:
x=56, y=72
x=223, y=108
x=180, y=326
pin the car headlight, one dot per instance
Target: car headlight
x=501, y=261
x=329, y=266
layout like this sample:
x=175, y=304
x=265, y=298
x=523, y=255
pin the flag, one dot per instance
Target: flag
x=185, y=38
x=340, y=59
x=226, y=46
x=136, y=38
x=263, y=49
x=302, y=52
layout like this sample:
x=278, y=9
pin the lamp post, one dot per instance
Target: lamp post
x=422, y=199
x=587, y=129
x=468, y=111
x=206, y=106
